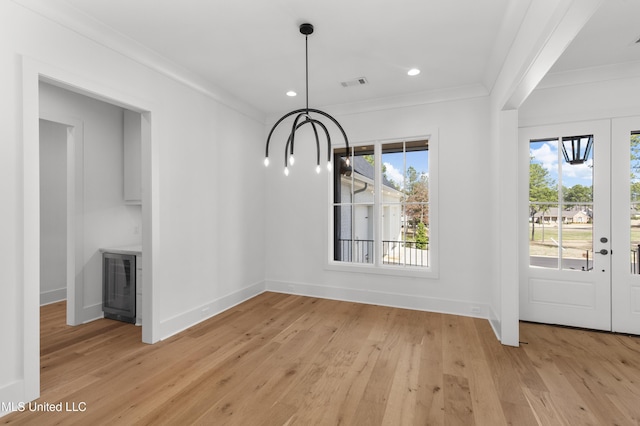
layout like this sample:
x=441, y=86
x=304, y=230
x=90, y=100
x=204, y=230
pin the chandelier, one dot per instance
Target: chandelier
x=303, y=116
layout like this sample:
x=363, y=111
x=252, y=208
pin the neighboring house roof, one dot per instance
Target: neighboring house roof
x=553, y=212
x=364, y=168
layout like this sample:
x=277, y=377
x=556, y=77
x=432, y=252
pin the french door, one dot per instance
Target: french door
x=625, y=225
x=565, y=212
x=581, y=225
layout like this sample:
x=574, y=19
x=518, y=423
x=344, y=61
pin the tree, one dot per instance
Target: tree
x=421, y=236
x=371, y=160
x=417, y=191
x=635, y=155
x=542, y=192
x=578, y=194
x=635, y=167
x=635, y=192
x=411, y=179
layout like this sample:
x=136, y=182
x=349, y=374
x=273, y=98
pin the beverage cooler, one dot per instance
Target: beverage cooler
x=119, y=286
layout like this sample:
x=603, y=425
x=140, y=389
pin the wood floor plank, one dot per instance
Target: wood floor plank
x=508, y=384
x=372, y=406
x=485, y=401
x=430, y=399
x=458, y=408
x=280, y=359
x=403, y=394
x=589, y=384
x=544, y=408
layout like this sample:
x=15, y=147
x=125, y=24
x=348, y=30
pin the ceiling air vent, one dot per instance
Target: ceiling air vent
x=361, y=81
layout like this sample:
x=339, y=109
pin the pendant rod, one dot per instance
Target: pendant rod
x=306, y=54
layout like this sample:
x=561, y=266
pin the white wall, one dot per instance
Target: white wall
x=297, y=212
x=107, y=220
x=53, y=212
x=205, y=243
x=589, y=100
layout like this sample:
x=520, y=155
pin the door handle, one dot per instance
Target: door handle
x=604, y=251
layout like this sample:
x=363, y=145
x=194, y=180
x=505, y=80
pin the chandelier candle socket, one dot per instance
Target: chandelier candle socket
x=303, y=116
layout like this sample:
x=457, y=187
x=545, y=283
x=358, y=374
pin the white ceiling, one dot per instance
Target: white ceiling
x=253, y=49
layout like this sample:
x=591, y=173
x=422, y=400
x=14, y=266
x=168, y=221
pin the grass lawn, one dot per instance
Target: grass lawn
x=576, y=240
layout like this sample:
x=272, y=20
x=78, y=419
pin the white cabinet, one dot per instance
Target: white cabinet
x=132, y=157
x=138, y=290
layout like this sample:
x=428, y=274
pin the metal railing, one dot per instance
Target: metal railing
x=405, y=253
x=394, y=252
x=355, y=251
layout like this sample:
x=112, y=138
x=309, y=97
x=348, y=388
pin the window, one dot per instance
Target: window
x=381, y=205
x=634, y=193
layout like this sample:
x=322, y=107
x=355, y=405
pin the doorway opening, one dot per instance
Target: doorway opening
x=61, y=212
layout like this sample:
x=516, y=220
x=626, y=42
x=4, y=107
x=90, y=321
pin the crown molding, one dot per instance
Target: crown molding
x=590, y=75
x=404, y=101
x=96, y=31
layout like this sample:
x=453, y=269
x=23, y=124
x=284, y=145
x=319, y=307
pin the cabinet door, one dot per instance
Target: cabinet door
x=138, y=290
x=132, y=157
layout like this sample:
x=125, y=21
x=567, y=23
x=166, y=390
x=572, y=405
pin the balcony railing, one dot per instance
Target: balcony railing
x=393, y=252
x=405, y=253
x=355, y=251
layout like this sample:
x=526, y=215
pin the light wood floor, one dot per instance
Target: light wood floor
x=289, y=360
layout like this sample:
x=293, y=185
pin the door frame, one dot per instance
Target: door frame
x=34, y=71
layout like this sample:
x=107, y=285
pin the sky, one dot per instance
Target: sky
x=546, y=153
x=395, y=164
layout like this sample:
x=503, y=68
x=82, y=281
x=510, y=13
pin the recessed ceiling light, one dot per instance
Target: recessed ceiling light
x=291, y=93
x=413, y=71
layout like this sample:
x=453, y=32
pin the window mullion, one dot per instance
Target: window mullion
x=377, y=205
x=352, y=202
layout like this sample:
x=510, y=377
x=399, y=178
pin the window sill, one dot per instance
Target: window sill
x=396, y=271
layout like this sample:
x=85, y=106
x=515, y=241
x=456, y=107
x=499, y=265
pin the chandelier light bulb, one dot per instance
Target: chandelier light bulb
x=348, y=162
x=291, y=159
x=318, y=169
x=266, y=161
x=286, y=171
x=329, y=165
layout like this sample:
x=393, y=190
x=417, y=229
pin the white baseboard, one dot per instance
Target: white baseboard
x=53, y=296
x=11, y=396
x=91, y=313
x=181, y=322
x=395, y=300
x=496, y=324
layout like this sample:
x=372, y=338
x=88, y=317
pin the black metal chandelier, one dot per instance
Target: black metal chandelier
x=576, y=149
x=303, y=116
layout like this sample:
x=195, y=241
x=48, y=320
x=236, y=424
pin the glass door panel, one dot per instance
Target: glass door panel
x=560, y=206
x=634, y=198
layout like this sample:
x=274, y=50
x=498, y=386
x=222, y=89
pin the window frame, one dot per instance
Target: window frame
x=377, y=267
